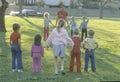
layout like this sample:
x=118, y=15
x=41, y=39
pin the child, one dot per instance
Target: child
x=59, y=38
x=75, y=53
x=15, y=43
x=62, y=14
x=47, y=20
x=83, y=27
x=73, y=25
x=37, y=51
x=90, y=44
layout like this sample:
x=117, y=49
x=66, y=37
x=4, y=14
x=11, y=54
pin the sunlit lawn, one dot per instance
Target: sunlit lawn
x=107, y=33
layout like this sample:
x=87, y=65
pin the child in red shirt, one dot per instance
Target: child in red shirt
x=62, y=14
x=15, y=43
x=75, y=53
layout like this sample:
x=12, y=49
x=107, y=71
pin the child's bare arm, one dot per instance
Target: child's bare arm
x=19, y=42
x=52, y=24
x=56, y=22
x=84, y=46
x=87, y=20
x=96, y=45
x=10, y=42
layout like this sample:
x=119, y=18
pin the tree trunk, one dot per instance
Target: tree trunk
x=20, y=2
x=2, y=20
x=101, y=10
x=2, y=15
x=72, y=3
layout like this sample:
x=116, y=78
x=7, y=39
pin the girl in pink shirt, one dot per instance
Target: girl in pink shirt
x=37, y=51
x=59, y=38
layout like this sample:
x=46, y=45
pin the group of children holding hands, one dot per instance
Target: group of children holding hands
x=59, y=39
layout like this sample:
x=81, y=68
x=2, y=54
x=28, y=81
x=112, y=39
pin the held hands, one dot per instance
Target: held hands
x=42, y=55
x=31, y=55
x=47, y=47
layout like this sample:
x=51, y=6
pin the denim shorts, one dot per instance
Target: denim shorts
x=59, y=50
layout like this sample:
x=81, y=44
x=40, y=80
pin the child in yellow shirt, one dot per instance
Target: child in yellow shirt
x=90, y=44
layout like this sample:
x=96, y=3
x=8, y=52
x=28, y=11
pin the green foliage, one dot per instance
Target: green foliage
x=91, y=5
x=61, y=3
x=41, y=3
x=72, y=4
x=107, y=55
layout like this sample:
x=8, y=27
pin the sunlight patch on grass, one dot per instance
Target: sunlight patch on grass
x=107, y=55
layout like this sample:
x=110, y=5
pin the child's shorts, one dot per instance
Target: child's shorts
x=59, y=50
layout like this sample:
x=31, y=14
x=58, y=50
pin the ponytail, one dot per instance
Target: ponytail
x=61, y=23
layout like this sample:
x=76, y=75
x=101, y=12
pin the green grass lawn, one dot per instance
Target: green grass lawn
x=107, y=33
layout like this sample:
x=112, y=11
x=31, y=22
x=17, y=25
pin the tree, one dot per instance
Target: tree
x=3, y=8
x=20, y=3
x=72, y=4
x=102, y=5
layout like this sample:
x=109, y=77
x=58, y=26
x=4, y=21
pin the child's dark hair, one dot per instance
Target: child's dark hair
x=37, y=40
x=76, y=31
x=61, y=23
x=91, y=32
x=16, y=27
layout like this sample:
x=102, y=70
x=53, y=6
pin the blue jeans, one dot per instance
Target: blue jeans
x=16, y=56
x=84, y=31
x=89, y=54
x=71, y=33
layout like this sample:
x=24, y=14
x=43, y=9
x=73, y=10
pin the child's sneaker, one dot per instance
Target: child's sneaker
x=55, y=74
x=85, y=70
x=94, y=71
x=63, y=73
x=13, y=70
x=20, y=70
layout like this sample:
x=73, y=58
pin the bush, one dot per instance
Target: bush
x=61, y=4
x=72, y=4
x=90, y=5
x=40, y=3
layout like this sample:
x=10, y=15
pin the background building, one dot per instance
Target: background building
x=27, y=2
x=46, y=2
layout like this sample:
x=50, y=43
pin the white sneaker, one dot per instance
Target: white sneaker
x=19, y=70
x=13, y=70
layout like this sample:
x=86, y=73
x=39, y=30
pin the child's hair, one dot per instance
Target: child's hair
x=72, y=17
x=46, y=13
x=76, y=31
x=62, y=7
x=83, y=17
x=37, y=40
x=16, y=26
x=61, y=23
x=91, y=32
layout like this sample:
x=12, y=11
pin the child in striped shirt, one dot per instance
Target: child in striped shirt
x=59, y=38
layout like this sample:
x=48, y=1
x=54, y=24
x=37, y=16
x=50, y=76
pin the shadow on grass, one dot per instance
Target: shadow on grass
x=31, y=32
x=4, y=53
x=112, y=19
x=34, y=25
x=106, y=64
x=106, y=33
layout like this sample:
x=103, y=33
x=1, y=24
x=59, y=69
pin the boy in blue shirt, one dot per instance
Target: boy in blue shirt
x=83, y=27
x=73, y=25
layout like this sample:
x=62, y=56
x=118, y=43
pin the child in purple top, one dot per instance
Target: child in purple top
x=37, y=51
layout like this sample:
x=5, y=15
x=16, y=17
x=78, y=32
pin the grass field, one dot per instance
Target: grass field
x=107, y=55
